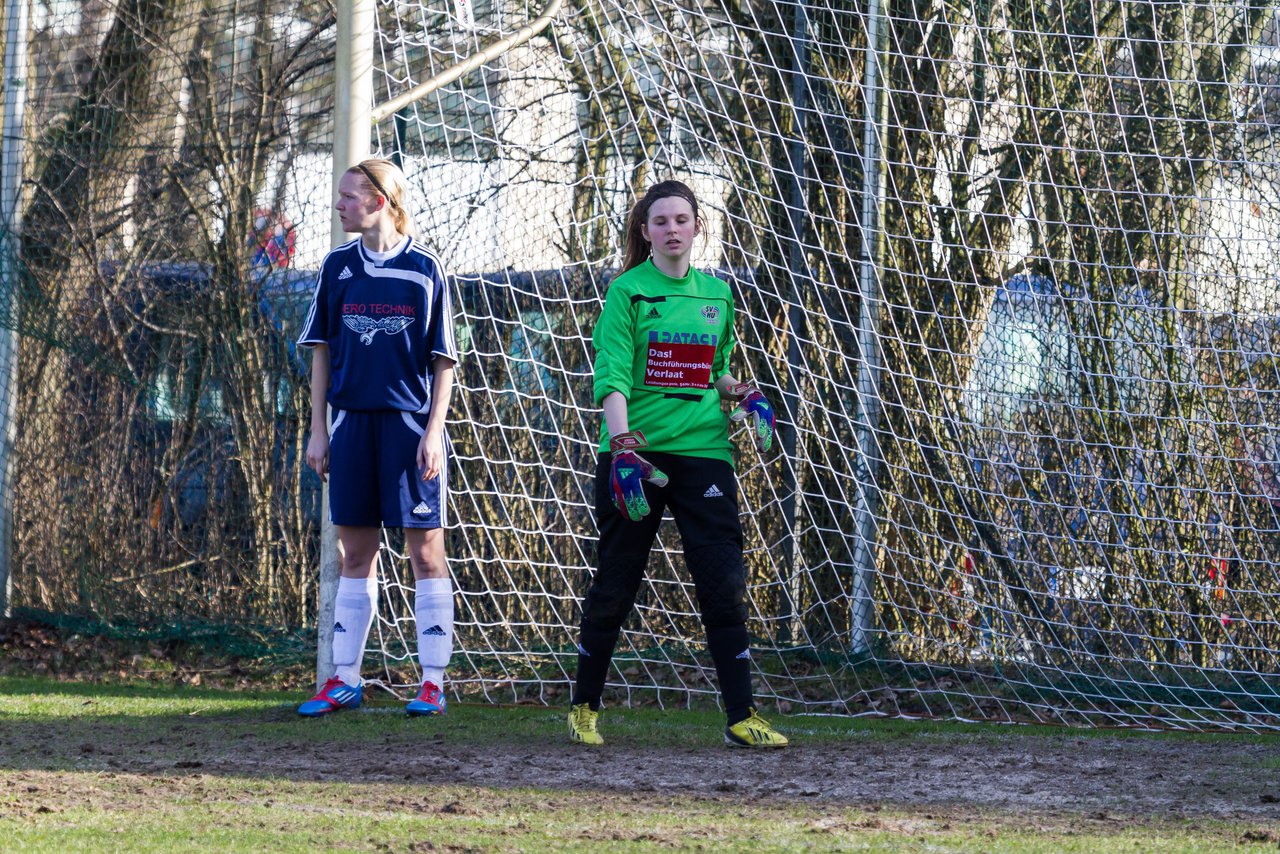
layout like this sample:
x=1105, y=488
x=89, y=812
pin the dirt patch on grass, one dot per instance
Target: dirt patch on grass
x=1061, y=780
x=1099, y=779
x=512, y=819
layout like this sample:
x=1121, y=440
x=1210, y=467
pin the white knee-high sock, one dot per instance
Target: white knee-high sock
x=352, y=617
x=433, y=611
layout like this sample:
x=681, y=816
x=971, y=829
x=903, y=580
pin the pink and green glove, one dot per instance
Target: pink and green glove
x=629, y=469
x=752, y=403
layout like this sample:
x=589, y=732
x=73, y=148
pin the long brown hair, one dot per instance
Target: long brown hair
x=385, y=178
x=637, y=248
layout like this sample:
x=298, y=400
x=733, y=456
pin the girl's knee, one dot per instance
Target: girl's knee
x=426, y=553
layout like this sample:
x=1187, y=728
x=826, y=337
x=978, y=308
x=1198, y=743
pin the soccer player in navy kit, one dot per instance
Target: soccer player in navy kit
x=661, y=372
x=381, y=325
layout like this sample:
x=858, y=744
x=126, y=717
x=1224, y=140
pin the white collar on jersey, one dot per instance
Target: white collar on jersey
x=380, y=258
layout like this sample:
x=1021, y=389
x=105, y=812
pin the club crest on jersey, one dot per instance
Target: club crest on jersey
x=711, y=313
x=367, y=327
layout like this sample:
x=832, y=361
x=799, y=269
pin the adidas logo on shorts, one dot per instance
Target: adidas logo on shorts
x=422, y=509
x=653, y=314
x=338, y=629
x=713, y=491
x=345, y=274
x=433, y=632
x=746, y=653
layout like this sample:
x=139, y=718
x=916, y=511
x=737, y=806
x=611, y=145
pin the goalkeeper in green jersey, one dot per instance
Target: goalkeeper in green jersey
x=661, y=371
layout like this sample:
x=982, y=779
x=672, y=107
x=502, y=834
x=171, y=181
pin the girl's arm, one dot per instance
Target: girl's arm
x=431, y=447
x=318, y=444
x=725, y=384
x=615, y=413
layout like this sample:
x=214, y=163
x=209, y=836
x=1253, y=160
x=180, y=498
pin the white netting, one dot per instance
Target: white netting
x=1007, y=279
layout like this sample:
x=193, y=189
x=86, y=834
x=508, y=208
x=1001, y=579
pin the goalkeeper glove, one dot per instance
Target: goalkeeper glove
x=629, y=468
x=752, y=403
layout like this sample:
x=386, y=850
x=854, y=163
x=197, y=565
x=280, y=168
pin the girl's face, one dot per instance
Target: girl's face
x=359, y=207
x=671, y=228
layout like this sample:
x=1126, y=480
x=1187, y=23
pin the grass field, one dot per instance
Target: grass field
x=144, y=768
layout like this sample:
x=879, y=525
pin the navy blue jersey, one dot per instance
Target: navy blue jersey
x=385, y=322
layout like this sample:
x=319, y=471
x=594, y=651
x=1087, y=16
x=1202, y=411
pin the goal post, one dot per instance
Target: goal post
x=352, y=105
x=12, y=157
x=868, y=463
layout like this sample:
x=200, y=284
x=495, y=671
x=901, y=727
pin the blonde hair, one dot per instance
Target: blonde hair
x=385, y=178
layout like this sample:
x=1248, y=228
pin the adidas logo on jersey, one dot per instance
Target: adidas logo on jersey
x=433, y=632
x=713, y=491
x=345, y=274
x=653, y=314
x=422, y=509
x=338, y=629
x=746, y=653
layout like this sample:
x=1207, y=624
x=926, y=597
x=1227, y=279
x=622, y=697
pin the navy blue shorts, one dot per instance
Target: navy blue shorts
x=374, y=479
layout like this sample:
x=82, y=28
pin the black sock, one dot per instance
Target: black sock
x=595, y=651
x=730, y=650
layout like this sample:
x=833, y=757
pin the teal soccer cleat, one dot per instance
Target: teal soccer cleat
x=335, y=695
x=430, y=701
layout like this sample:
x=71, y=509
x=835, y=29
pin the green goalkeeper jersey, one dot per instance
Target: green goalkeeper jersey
x=663, y=343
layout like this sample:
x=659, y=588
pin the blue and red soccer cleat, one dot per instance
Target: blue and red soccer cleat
x=335, y=695
x=430, y=701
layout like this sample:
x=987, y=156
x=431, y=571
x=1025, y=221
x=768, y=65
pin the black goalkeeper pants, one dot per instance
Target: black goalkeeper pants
x=702, y=495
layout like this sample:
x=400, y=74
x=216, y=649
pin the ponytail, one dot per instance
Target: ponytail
x=636, y=249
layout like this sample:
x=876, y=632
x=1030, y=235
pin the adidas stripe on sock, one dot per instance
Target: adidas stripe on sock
x=433, y=613
x=352, y=617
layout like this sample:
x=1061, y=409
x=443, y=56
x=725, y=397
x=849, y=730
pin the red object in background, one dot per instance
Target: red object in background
x=966, y=568
x=273, y=239
x=1219, y=569
x=956, y=585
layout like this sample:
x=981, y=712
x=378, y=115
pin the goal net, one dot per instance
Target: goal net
x=1006, y=271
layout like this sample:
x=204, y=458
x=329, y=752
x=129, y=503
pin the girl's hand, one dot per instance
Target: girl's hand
x=629, y=468
x=430, y=454
x=752, y=404
x=318, y=454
